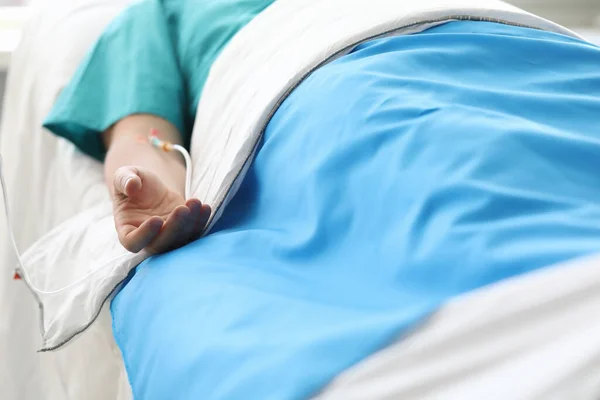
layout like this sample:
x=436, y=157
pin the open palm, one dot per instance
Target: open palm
x=148, y=215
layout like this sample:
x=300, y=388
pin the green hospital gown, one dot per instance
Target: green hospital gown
x=154, y=58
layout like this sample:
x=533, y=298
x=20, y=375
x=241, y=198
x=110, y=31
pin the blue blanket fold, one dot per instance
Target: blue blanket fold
x=393, y=179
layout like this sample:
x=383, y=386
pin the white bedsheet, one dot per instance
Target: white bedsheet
x=91, y=367
x=536, y=337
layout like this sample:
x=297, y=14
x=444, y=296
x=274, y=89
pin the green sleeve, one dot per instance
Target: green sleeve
x=131, y=69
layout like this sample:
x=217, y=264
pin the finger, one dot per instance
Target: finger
x=204, y=217
x=202, y=213
x=174, y=232
x=193, y=204
x=195, y=207
x=186, y=229
x=127, y=181
x=135, y=239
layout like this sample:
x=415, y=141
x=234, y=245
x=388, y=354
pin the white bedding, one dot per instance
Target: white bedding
x=536, y=337
x=91, y=367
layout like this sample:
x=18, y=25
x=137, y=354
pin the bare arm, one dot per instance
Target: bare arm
x=126, y=149
x=147, y=187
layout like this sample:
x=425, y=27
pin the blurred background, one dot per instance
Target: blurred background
x=582, y=16
x=12, y=16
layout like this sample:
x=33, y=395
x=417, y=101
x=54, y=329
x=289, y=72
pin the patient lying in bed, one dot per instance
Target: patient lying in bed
x=409, y=171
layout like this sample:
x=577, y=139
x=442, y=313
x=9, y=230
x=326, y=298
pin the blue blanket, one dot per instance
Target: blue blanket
x=410, y=171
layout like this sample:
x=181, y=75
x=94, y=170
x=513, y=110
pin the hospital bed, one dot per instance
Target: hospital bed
x=532, y=337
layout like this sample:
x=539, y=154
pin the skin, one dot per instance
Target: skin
x=147, y=188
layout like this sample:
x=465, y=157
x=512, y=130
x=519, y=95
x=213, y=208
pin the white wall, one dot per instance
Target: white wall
x=571, y=13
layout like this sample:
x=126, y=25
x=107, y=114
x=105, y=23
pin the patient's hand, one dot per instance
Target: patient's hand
x=149, y=215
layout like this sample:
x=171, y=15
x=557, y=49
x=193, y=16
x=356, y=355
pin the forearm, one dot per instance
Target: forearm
x=126, y=147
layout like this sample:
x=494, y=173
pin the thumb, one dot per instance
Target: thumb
x=127, y=181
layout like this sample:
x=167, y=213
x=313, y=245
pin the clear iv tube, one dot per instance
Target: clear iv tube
x=188, y=169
